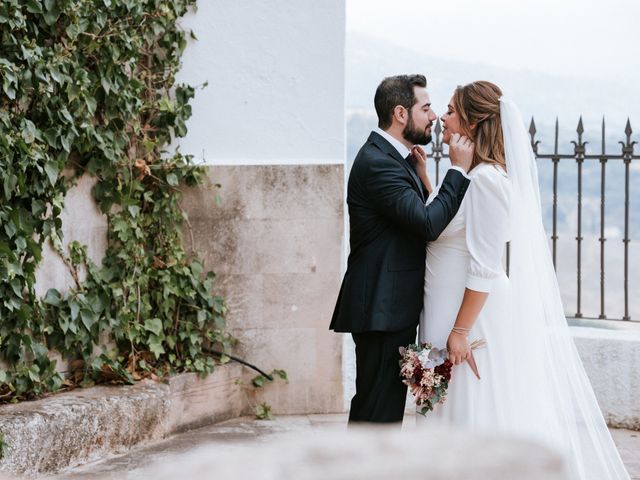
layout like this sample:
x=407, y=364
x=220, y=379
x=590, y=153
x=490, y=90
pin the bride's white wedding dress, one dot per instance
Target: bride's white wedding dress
x=480, y=226
x=532, y=381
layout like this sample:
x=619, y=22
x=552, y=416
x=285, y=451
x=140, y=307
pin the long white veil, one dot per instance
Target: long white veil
x=551, y=393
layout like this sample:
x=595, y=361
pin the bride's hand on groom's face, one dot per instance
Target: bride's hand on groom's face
x=458, y=348
x=461, y=151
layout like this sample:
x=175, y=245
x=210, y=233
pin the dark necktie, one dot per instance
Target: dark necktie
x=409, y=159
x=416, y=178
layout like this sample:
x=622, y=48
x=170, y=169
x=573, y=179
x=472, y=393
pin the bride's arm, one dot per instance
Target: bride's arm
x=458, y=342
x=487, y=231
x=420, y=157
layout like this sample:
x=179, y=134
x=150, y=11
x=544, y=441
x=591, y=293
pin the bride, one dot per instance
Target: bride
x=532, y=381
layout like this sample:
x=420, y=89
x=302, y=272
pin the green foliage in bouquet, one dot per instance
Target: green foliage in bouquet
x=88, y=86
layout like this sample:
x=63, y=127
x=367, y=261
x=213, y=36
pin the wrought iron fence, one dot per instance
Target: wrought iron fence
x=579, y=156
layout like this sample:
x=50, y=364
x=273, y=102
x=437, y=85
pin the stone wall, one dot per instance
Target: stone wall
x=611, y=358
x=275, y=243
x=275, y=97
x=271, y=124
x=82, y=221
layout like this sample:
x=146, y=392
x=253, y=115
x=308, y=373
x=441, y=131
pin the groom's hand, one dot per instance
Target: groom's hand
x=461, y=151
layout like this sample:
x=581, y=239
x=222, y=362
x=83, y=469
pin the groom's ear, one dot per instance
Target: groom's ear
x=401, y=114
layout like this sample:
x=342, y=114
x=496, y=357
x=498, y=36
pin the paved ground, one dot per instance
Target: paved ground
x=628, y=442
x=231, y=436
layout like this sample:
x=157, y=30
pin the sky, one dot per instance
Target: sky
x=595, y=39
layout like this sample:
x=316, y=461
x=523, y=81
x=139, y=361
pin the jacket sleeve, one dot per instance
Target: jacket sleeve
x=391, y=191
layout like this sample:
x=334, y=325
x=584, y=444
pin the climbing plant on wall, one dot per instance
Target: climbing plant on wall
x=88, y=86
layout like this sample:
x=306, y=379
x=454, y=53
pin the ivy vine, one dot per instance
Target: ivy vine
x=88, y=86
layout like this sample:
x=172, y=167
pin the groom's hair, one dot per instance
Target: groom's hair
x=394, y=91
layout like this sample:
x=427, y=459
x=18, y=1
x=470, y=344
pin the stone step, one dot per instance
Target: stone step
x=84, y=425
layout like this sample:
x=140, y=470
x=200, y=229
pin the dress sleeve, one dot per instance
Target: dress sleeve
x=487, y=227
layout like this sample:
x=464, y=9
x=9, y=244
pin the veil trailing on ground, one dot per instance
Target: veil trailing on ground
x=554, y=396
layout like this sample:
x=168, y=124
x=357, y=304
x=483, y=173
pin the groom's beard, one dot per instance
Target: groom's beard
x=413, y=135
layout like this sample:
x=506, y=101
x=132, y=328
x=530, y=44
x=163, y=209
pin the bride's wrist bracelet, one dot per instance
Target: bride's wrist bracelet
x=461, y=331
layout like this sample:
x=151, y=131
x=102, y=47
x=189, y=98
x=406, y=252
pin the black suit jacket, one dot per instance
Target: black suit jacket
x=383, y=286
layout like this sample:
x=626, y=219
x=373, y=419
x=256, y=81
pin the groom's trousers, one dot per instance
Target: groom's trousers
x=380, y=394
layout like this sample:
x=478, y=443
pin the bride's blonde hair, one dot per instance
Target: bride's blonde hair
x=478, y=104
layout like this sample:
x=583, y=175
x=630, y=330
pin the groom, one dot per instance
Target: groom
x=381, y=295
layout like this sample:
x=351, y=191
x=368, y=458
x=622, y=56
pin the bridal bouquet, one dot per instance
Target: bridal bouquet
x=426, y=370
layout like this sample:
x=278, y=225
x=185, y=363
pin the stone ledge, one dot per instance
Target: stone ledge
x=72, y=428
x=611, y=356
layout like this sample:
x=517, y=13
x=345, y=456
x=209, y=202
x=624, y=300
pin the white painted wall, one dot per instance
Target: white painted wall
x=275, y=73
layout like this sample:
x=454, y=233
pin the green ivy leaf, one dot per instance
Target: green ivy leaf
x=154, y=325
x=16, y=286
x=34, y=373
x=172, y=179
x=52, y=171
x=75, y=309
x=64, y=323
x=9, y=90
x=21, y=243
x=263, y=412
x=52, y=13
x=34, y=6
x=88, y=318
x=72, y=96
x=134, y=210
x=155, y=346
x=52, y=297
x=282, y=374
x=259, y=381
x=29, y=132
x=10, y=229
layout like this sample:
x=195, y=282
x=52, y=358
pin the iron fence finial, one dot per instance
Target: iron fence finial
x=627, y=130
x=579, y=146
x=532, y=133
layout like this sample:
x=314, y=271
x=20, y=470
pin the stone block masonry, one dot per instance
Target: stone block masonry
x=73, y=428
x=275, y=243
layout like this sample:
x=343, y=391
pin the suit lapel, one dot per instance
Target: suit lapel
x=389, y=149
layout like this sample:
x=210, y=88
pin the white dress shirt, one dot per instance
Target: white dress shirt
x=397, y=144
